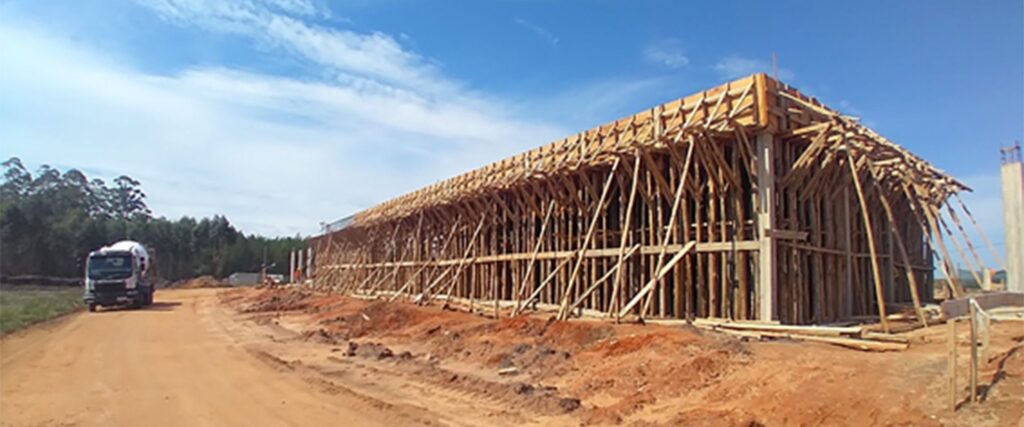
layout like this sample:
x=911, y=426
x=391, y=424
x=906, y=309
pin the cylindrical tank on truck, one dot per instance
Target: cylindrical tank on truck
x=117, y=275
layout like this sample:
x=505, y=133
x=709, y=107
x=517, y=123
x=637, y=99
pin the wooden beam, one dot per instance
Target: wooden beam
x=654, y=280
x=879, y=296
x=667, y=234
x=624, y=238
x=536, y=250
x=603, y=278
x=586, y=240
x=911, y=279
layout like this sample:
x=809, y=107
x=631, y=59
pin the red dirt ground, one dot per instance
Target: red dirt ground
x=600, y=373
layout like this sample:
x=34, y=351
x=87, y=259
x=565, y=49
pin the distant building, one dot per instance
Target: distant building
x=249, y=279
x=243, y=279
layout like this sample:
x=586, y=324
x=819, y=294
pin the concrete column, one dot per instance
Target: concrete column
x=766, y=192
x=1013, y=219
x=291, y=266
x=309, y=262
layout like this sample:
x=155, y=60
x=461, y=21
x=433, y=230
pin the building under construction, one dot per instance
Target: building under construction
x=746, y=201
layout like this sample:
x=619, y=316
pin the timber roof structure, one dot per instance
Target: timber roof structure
x=753, y=103
x=746, y=201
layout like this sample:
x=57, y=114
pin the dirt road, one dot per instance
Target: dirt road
x=295, y=357
x=176, y=363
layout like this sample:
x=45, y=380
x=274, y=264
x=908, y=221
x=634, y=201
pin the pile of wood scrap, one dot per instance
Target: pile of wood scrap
x=855, y=337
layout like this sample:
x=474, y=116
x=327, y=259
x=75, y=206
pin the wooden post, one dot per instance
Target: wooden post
x=765, y=224
x=986, y=337
x=623, y=239
x=412, y=279
x=876, y=273
x=951, y=363
x=895, y=235
x=974, y=350
x=533, y=256
x=848, y=250
x=563, y=314
x=667, y=236
x=657, y=277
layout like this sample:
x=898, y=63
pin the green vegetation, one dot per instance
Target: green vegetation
x=50, y=222
x=23, y=306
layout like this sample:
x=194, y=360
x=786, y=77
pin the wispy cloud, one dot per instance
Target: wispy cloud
x=276, y=154
x=848, y=108
x=736, y=66
x=667, y=52
x=278, y=24
x=539, y=31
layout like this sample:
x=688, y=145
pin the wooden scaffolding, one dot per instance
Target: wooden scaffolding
x=749, y=201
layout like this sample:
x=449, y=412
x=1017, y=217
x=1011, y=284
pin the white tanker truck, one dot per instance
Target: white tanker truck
x=116, y=275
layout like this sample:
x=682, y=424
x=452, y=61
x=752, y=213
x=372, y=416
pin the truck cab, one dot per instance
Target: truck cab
x=116, y=275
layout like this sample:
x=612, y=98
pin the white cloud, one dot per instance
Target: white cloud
x=597, y=102
x=537, y=30
x=734, y=66
x=279, y=25
x=275, y=154
x=667, y=52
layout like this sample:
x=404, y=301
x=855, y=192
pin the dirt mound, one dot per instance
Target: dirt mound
x=606, y=374
x=273, y=300
x=548, y=365
x=198, y=282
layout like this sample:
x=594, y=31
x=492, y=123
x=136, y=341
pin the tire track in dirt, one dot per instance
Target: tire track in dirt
x=169, y=365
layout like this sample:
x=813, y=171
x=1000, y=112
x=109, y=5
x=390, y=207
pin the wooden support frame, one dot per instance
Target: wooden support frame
x=757, y=221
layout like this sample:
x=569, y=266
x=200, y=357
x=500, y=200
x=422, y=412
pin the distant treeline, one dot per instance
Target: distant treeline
x=50, y=221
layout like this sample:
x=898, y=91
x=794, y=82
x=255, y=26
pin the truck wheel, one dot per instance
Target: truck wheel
x=149, y=297
x=138, y=302
x=92, y=308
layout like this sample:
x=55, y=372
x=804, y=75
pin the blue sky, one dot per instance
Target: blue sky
x=284, y=113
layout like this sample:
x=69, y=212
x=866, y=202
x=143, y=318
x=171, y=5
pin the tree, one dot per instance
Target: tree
x=16, y=180
x=128, y=201
x=50, y=222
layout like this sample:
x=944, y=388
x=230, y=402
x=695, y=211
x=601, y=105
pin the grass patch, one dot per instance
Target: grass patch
x=22, y=306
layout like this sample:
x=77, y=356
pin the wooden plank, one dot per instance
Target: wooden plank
x=536, y=250
x=623, y=239
x=448, y=240
x=597, y=213
x=667, y=236
x=871, y=243
x=973, y=322
x=542, y=286
x=951, y=362
x=911, y=280
x=661, y=273
x=601, y=280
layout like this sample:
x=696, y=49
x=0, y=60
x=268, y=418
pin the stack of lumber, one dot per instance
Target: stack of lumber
x=855, y=337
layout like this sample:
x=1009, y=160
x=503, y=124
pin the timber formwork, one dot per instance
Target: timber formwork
x=748, y=201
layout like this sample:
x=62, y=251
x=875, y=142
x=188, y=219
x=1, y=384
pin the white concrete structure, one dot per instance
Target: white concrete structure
x=1013, y=217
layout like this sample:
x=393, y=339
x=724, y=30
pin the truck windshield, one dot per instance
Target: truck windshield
x=110, y=267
